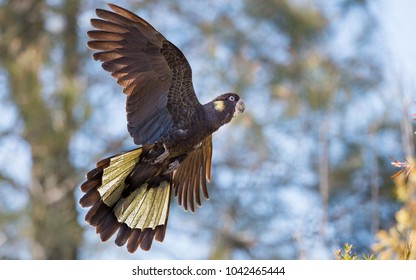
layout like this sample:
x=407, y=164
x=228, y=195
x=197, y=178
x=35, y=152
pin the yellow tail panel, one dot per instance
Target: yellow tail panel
x=145, y=207
x=114, y=175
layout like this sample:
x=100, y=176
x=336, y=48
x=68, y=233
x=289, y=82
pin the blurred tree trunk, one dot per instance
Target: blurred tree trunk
x=324, y=173
x=47, y=122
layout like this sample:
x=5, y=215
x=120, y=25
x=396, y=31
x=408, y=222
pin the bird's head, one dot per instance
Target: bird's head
x=227, y=106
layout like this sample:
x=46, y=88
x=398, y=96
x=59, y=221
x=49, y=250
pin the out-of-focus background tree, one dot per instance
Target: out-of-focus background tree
x=304, y=170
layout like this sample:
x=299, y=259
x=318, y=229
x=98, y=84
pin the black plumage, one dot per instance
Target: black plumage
x=130, y=193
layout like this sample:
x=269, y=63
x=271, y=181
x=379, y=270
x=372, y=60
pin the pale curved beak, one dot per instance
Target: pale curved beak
x=239, y=107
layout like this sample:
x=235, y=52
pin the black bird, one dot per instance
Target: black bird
x=130, y=192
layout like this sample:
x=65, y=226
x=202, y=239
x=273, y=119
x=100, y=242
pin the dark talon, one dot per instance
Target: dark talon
x=173, y=166
x=163, y=156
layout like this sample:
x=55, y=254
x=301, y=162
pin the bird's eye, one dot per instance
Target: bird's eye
x=231, y=98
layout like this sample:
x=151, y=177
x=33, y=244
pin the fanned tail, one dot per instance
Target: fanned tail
x=138, y=210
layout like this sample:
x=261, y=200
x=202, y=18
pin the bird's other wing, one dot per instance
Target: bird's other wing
x=190, y=179
x=154, y=74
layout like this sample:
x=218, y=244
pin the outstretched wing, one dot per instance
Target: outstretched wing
x=189, y=180
x=154, y=74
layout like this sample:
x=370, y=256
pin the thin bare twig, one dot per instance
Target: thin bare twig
x=405, y=167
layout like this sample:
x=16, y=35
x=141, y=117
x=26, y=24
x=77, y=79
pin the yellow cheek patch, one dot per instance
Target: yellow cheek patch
x=219, y=105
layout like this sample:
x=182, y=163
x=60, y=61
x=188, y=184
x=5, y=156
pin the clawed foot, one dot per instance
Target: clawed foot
x=163, y=156
x=172, y=166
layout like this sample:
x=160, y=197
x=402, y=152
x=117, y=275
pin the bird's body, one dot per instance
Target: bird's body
x=130, y=192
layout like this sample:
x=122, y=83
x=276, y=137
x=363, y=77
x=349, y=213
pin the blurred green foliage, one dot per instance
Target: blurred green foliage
x=398, y=241
x=347, y=254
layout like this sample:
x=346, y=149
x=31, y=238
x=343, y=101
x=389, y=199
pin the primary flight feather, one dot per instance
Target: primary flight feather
x=130, y=193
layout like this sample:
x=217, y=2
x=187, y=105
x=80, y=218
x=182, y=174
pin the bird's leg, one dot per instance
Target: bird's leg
x=163, y=156
x=175, y=164
x=172, y=166
x=174, y=136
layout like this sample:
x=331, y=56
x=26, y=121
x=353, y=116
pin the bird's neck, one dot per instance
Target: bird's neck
x=215, y=115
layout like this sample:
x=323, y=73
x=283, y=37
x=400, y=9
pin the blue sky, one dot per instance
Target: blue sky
x=398, y=32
